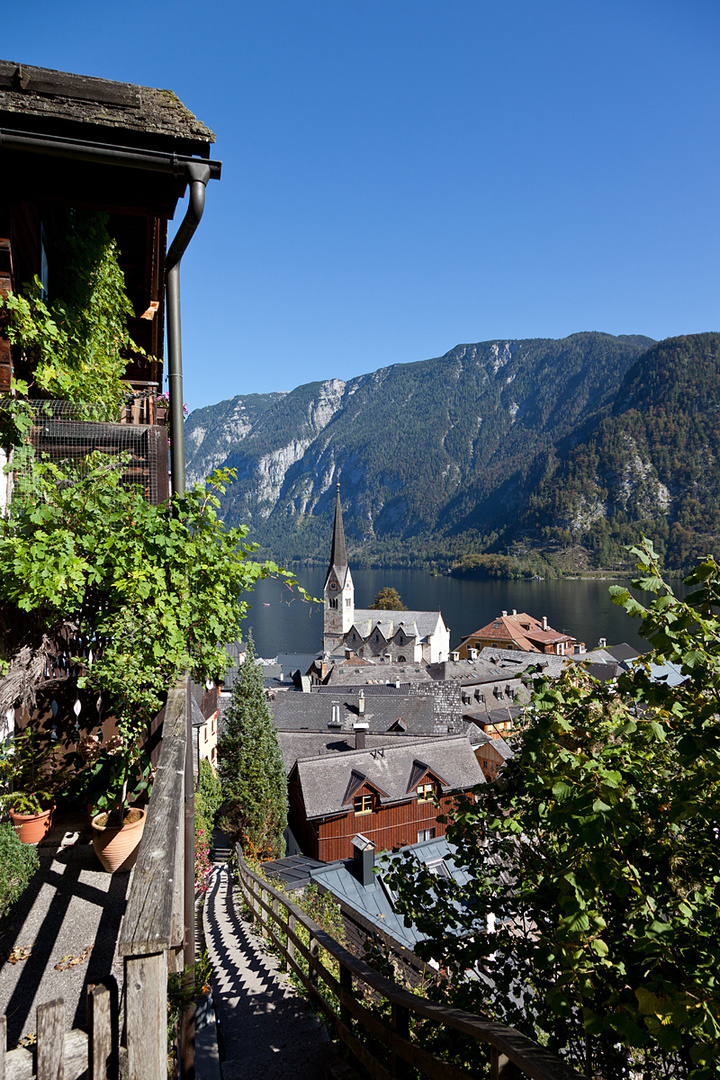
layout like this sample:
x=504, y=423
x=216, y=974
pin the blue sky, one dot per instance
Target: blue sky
x=400, y=176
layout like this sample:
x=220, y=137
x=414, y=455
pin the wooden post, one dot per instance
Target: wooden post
x=314, y=951
x=100, y=1026
x=346, y=984
x=146, y=1016
x=401, y=1026
x=290, y=942
x=50, y=1040
x=501, y=1067
x=263, y=913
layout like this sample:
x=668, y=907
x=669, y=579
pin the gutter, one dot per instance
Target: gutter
x=198, y=173
x=103, y=153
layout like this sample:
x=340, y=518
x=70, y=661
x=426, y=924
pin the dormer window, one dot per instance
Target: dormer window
x=363, y=804
x=425, y=792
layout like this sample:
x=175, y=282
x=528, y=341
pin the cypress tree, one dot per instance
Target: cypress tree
x=251, y=767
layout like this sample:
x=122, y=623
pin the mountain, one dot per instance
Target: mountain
x=434, y=457
x=652, y=464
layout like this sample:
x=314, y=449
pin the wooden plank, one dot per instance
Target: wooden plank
x=100, y=1040
x=346, y=986
x=401, y=1028
x=20, y=1063
x=146, y=1016
x=313, y=959
x=291, y=933
x=50, y=1040
x=34, y=80
x=147, y=925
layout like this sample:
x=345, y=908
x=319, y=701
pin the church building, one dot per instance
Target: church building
x=389, y=636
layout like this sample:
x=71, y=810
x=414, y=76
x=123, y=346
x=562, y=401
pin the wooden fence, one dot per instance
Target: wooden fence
x=151, y=941
x=376, y=1019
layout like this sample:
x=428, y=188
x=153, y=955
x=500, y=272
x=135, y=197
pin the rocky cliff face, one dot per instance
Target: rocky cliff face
x=421, y=450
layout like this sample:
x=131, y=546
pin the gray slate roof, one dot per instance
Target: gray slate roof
x=420, y=714
x=543, y=664
x=394, y=770
x=374, y=901
x=470, y=672
x=418, y=623
x=359, y=672
x=60, y=96
x=305, y=744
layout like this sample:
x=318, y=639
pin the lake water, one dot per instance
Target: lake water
x=281, y=622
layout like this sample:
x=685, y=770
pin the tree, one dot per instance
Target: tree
x=251, y=766
x=594, y=862
x=388, y=599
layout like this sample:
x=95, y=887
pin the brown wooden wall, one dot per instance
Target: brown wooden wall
x=388, y=827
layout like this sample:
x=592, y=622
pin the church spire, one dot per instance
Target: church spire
x=338, y=554
x=339, y=589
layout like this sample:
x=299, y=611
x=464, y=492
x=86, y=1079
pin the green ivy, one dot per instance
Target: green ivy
x=77, y=346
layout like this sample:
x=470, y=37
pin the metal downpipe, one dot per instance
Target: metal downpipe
x=198, y=174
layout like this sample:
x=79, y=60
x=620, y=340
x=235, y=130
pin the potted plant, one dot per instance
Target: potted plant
x=115, y=774
x=30, y=777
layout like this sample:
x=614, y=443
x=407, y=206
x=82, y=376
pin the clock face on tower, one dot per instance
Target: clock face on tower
x=333, y=585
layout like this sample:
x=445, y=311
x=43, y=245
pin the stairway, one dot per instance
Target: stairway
x=266, y=1031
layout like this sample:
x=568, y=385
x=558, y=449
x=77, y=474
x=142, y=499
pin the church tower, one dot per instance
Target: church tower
x=339, y=592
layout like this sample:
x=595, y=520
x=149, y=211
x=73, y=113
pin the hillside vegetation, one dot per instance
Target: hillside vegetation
x=550, y=453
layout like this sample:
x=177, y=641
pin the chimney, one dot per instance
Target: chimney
x=335, y=721
x=602, y=643
x=360, y=728
x=472, y=654
x=363, y=859
x=544, y=622
x=455, y=656
x=361, y=703
x=504, y=614
x=514, y=611
x=397, y=683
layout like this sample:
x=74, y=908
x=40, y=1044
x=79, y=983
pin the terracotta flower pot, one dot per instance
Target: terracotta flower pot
x=32, y=828
x=117, y=847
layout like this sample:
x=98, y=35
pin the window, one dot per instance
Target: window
x=363, y=804
x=425, y=834
x=438, y=866
x=425, y=792
x=333, y=602
x=348, y=603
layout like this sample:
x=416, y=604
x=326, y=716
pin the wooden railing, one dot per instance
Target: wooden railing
x=151, y=939
x=375, y=1018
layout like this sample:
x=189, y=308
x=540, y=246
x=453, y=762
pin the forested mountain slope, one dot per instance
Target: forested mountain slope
x=652, y=465
x=421, y=450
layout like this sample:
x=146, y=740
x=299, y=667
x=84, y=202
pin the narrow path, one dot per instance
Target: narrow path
x=267, y=1031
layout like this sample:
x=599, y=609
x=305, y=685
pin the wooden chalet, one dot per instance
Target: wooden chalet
x=87, y=144
x=519, y=631
x=387, y=793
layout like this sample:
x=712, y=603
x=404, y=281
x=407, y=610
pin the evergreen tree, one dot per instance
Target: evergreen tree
x=251, y=766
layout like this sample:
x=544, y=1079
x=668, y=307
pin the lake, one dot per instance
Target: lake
x=282, y=622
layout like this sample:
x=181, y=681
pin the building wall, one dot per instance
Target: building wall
x=388, y=827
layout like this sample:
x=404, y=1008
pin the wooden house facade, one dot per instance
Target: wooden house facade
x=391, y=794
x=71, y=141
